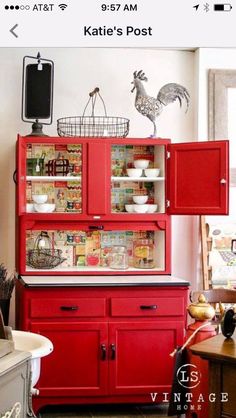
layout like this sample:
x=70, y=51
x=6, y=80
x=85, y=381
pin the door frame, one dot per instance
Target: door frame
x=218, y=83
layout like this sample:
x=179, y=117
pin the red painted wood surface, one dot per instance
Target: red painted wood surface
x=193, y=186
x=96, y=176
x=111, y=352
x=173, y=306
x=194, y=174
x=99, y=174
x=198, y=178
x=84, y=366
x=142, y=356
x=67, y=308
x=75, y=367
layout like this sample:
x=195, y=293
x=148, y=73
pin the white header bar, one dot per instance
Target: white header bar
x=135, y=23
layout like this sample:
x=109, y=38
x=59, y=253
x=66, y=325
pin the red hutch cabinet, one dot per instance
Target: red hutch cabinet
x=89, y=198
x=113, y=326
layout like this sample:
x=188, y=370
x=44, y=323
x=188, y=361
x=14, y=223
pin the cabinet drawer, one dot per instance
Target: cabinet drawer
x=79, y=307
x=151, y=306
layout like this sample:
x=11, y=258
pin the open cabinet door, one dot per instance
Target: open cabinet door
x=198, y=178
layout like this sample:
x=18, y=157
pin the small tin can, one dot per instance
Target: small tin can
x=70, y=205
x=70, y=238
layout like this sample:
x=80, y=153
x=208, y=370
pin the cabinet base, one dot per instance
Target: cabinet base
x=41, y=402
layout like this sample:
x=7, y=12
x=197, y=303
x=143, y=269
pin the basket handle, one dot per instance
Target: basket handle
x=43, y=234
x=92, y=93
x=93, y=96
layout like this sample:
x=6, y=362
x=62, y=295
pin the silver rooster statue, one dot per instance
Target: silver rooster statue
x=151, y=106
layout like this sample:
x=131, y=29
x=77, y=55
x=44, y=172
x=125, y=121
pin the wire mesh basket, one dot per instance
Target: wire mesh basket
x=93, y=126
x=44, y=258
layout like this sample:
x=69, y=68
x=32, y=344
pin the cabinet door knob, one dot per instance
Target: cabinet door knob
x=223, y=181
x=103, y=352
x=151, y=307
x=69, y=308
x=113, y=351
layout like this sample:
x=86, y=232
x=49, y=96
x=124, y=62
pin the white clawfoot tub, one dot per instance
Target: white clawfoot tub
x=38, y=345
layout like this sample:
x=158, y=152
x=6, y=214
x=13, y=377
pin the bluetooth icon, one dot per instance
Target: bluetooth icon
x=206, y=7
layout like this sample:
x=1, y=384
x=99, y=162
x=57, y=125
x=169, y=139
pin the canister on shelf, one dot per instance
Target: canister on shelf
x=119, y=258
x=93, y=258
x=144, y=254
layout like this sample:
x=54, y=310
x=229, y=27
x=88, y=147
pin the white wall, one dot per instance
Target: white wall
x=77, y=72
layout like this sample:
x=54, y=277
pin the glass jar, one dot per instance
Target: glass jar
x=119, y=258
x=144, y=254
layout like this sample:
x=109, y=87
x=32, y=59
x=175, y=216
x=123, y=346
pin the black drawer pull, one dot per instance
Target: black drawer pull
x=103, y=352
x=151, y=307
x=69, y=308
x=96, y=227
x=113, y=351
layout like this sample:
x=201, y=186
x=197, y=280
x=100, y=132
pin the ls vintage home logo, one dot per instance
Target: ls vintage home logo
x=188, y=377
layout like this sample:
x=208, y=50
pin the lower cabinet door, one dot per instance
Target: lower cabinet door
x=139, y=355
x=78, y=364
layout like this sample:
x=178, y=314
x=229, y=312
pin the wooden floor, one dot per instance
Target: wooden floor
x=105, y=411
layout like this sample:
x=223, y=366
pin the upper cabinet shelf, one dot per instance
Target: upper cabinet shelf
x=91, y=178
x=108, y=178
x=138, y=179
x=53, y=178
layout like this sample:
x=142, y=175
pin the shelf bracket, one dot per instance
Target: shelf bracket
x=161, y=225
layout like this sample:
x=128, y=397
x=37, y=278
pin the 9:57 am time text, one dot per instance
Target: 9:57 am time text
x=115, y=7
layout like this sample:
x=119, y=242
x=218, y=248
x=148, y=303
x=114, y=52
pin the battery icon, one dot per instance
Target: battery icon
x=225, y=7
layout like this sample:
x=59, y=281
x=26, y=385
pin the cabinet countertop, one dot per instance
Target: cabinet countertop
x=221, y=355
x=217, y=348
x=90, y=281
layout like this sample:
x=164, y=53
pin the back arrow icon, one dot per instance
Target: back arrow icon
x=12, y=30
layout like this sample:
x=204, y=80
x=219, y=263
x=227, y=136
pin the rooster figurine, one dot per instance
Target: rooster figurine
x=151, y=106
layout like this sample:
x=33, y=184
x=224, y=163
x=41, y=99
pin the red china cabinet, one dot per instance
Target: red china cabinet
x=93, y=256
x=88, y=202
